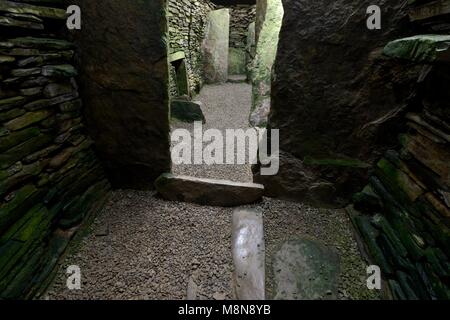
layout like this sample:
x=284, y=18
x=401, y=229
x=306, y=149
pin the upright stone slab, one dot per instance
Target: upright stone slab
x=248, y=254
x=335, y=106
x=186, y=111
x=266, y=50
x=250, y=48
x=216, y=46
x=306, y=270
x=124, y=74
x=211, y=192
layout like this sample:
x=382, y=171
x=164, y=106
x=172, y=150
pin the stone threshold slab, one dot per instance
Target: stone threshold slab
x=211, y=192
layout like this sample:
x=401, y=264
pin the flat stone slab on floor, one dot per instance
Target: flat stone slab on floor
x=237, y=78
x=186, y=111
x=306, y=270
x=248, y=254
x=211, y=192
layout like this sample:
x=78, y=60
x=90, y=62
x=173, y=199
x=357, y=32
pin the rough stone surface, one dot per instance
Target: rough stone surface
x=125, y=89
x=216, y=46
x=333, y=95
x=208, y=191
x=249, y=255
x=186, y=111
x=237, y=62
x=422, y=48
x=266, y=50
x=306, y=270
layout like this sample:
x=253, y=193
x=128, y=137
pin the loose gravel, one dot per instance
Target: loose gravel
x=154, y=248
x=225, y=106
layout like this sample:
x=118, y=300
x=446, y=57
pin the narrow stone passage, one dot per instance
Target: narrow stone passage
x=225, y=106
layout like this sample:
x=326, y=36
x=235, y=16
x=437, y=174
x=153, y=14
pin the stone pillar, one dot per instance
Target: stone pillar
x=124, y=79
x=267, y=33
x=216, y=46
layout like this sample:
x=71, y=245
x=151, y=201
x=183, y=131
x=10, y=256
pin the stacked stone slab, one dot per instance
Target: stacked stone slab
x=187, y=22
x=403, y=215
x=241, y=16
x=50, y=179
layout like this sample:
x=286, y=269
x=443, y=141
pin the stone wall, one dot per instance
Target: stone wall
x=332, y=97
x=124, y=82
x=241, y=16
x=403, y=215
x=50, y=179
x=187, y=23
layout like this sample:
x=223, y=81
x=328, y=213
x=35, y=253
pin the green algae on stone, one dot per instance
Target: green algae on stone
x=28, y=147
x=421, y=48
x=6, y=59
x=16, y=138
x=9, y=103
x=64, y=70
x=41, y=43
x=266, y=50
x=23, y=199
x=237, y=61
x=398, y=182
x=24, y=8
x=27, y=120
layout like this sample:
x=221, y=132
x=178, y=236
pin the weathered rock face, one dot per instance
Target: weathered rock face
x=335, y=96
x=124, y=77
x=186, y=111
x=50, y=177
x=216, y=46
x=210, y=192
x=269, y=24
x=306, y=270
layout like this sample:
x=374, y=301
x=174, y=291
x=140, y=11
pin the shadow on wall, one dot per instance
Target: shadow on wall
x=335, y=97
x=269, y=18
x=125, y=87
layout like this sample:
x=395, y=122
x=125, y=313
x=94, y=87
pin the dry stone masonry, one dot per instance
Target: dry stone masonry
x=187, y=23
x=50, y=179
x=403, y=215
x=241, y=16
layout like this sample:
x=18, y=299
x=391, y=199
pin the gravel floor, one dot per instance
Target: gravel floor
x=225, y=106
x=154, y=248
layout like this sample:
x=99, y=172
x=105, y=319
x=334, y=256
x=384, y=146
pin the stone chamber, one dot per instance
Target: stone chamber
x=86, y=176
